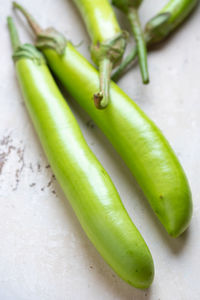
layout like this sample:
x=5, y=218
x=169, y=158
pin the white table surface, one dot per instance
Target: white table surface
x=44, y=253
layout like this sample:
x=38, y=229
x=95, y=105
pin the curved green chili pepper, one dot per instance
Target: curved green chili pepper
x=108, y=42
x=84, y=181
x=130, y=8
x=136, y=138
x=159, y=27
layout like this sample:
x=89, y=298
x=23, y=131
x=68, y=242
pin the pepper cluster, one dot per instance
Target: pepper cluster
x=135, y=137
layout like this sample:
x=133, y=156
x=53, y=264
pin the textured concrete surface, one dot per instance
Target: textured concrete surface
x=44, y=253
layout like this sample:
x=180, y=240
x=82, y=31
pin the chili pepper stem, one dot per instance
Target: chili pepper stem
x=13, y=34
x=101, y=99
x=140, y=41
x=117, y=74
x=32, y=22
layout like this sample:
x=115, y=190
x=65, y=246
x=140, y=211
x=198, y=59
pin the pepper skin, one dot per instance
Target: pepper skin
x=99, y=18
x=84, y=181
x=159, y=27
x=135, y=137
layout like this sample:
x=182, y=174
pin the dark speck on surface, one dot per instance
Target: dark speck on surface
x=4, y=156
x=49, y=183
x=38, y=167
x=20, y=153
x=5, y=142
x=31, y=167
x=90, y=124
x=53, y=177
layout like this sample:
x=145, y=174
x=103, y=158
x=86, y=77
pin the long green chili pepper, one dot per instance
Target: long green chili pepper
x=130, y=8
x=108, y=42
x=159, y=27
x=136, y=138
x=84, y=181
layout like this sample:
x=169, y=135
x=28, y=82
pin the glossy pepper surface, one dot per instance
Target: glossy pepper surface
x=84, y=181
x=136, y=138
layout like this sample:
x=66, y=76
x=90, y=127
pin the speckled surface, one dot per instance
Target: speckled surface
x=44, y=253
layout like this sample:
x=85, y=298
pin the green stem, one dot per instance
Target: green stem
x=101, y=99
x=124, y=64
x=13, y=34
x=32, y=22
x=140, y=41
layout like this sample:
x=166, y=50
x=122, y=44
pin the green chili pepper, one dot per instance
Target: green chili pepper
x=136, y=138
x=159, y=27
x=108, y=42
x=84, y=181
x=130, y=8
